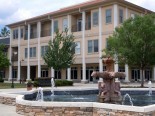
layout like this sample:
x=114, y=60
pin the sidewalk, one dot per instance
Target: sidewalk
x=10, y=110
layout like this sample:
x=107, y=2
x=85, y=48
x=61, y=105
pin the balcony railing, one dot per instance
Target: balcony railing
x=78, y=27
x=46, y=32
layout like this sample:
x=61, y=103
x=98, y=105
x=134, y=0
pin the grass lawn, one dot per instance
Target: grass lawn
x=8, y=85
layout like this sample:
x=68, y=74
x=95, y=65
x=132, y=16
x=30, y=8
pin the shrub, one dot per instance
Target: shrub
x=35, y=84
x=1, y=80
x=29, y=83
x=63, y=83
x=46, y=82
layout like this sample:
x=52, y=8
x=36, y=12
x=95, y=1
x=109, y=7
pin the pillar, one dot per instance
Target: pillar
x=100, y=43
x=52, y=37
x=38, y=35
x=10, y=55
x=127, y=73
x=19, y=60
x=83, y=48
x=28, y=53
x=69, y=32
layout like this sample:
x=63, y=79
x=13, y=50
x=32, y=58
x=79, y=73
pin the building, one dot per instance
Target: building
x=91, y=23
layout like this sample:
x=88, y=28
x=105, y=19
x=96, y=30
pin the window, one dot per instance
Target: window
x=25, y=52
x=92, y=46
x=57, y=74
x=21, y=33
x=77, y=48
x=2, y=73
x=73, y=73
x=79, y=25
x=120, y=16
x=65, y=24
x=32, y=52
x=132, y=15
x=55, y=25
x=121, y=69
x=95, y=18
x=14, y=73
x=15, y=34
x=108, y=16
x=43, y=50
x=44, y=73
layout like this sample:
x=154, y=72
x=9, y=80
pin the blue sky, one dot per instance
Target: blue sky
x=17, y=10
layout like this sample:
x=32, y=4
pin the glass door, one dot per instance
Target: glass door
x=135, y=74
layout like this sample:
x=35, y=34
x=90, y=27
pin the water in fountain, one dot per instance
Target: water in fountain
x=52, y=86
x=40, y=94
x=150, y=88
x=127, y=100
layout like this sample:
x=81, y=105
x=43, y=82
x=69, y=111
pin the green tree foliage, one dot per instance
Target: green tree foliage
x=60, y=53
x=4, y=32
x=133, y=43
x=4, y=61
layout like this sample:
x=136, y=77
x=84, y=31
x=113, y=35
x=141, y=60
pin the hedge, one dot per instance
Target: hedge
x=46, y=82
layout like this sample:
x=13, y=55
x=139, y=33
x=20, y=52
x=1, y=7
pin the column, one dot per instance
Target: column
x=115, y=25
x=38, y=35
x=69, y=32
x=28, y=53
x=127, y=73
x=19, y=65
x=52, y=37
x=100, y=43
x=153, y=73
x=126, y=17
x=10, y=55
x=83, y=48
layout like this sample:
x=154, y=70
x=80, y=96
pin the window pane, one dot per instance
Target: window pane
x=65, y=24
x=34, y=52
x=25, y=52
x=90, y=46
x=108, y=16
x=121, y=16
x=77, y=48
x=95, y=45
x=31, y=52
x=95, y=18
x=42, y=50
x=55, y=25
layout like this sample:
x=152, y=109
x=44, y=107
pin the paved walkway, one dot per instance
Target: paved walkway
x=6, y=110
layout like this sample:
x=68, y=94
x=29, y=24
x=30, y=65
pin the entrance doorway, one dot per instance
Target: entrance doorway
x=88, y=74
x=135, y=74
x=32, y=72
x=148, y=74
x=79, y=25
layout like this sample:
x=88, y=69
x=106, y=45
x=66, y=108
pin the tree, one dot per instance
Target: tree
x=60, y=52
x=4, y=32
x=4, y=61
x=133, y=43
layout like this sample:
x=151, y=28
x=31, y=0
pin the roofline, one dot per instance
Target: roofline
x=76, y=7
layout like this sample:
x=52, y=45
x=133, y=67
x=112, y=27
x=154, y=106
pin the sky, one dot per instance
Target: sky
x=17, y=10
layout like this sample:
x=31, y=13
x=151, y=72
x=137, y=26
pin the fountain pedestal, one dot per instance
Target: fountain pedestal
x=109, y=90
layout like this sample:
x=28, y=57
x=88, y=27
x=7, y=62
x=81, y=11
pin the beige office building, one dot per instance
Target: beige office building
x=91, y=23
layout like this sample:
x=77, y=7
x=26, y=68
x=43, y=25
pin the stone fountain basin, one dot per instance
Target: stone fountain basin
x=27, y=107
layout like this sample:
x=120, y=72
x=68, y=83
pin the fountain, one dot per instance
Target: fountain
x=52, y=86
x=150, y=88
x=109, y=90
x=125, y=102
x=40, y=94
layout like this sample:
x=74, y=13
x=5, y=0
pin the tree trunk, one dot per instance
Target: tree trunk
x=142, y=81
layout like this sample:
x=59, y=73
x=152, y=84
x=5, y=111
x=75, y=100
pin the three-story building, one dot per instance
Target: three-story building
x=91, y=23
